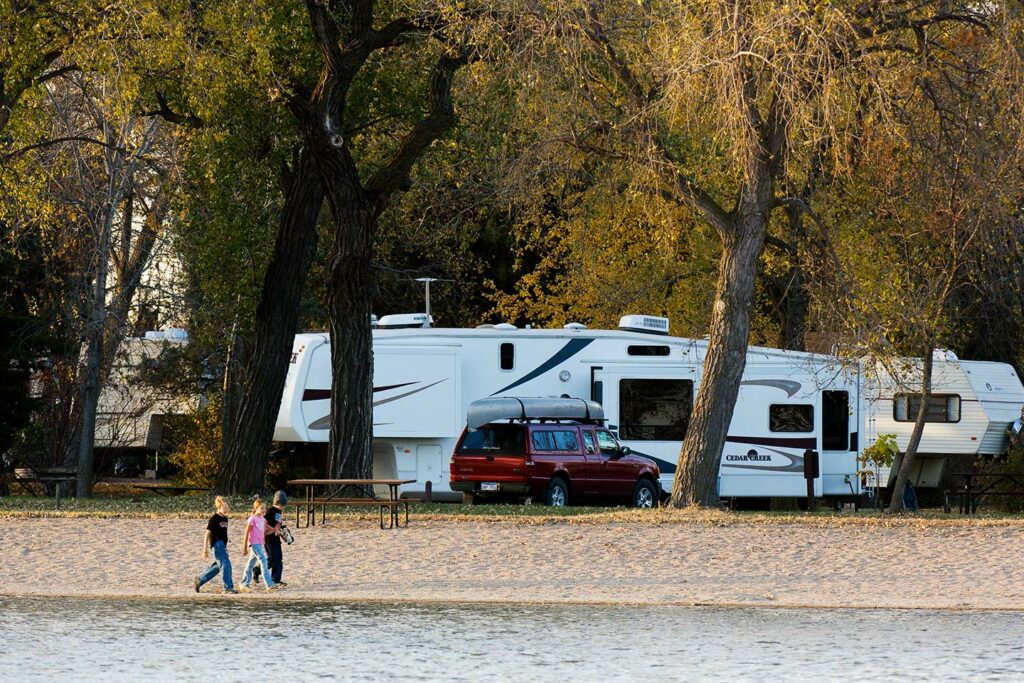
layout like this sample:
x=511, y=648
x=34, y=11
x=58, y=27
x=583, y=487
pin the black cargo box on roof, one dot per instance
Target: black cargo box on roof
x=493, y=409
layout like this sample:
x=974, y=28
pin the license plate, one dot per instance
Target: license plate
x=488, y=486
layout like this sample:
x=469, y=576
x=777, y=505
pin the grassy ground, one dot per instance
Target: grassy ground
x=121, y=504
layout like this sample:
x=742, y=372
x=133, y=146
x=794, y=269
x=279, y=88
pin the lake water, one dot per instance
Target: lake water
x=234, y=640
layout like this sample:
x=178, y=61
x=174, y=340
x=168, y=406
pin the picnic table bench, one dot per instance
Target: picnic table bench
x=166, y=489
x=973, y=486
x=27, y=477
x=334, y=491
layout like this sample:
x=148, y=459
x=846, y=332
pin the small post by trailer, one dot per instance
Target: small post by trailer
x=811, y=472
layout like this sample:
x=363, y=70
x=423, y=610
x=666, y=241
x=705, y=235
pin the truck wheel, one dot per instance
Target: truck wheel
x=558, y=493
x=645, y=495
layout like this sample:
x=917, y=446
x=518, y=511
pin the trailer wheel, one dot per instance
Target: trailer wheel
x=558, y=493
x=644, y=494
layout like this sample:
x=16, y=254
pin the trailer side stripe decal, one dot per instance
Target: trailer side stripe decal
x=665, y=466
x=780, y=441
x=325, y=421
x=321, y=394
x=787, y=385
x=565, y=353
x=408, y=393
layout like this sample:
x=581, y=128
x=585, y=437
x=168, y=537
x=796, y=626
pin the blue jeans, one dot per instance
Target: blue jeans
x=257, y=554
x=221, y=563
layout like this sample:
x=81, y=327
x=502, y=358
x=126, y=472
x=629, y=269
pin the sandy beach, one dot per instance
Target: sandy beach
x=811, y=565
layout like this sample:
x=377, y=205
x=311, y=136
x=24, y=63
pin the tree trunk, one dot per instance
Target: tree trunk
x=348, y=303
x=232, y=387
x=247, y=437
x=696, y=480
x=94, y=333
x=90, y=401
x=896, y=503
x=794, y=303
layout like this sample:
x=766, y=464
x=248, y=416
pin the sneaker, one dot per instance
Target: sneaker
x=197, y=584
x=282, y=584
x=246, y=589
x=231, y=590
x=277, y=586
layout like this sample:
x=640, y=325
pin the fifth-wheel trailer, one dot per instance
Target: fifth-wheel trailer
x=424, y=379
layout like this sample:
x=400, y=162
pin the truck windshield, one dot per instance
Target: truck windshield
x=494, y=440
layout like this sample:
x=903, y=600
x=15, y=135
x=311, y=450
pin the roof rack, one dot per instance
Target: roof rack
x=497, y=408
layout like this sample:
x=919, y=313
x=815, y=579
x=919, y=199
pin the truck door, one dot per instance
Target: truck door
x=594, y=461
x=615, y=475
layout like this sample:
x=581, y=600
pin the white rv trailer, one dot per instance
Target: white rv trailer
x=972, y=405
x=425, y=378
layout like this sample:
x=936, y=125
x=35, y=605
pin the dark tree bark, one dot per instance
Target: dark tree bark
x=696, y=480
x=896, y=503
x=348, y=303
x=356, y=205
x=794, y=303
x=249, y=426
x=743, y=232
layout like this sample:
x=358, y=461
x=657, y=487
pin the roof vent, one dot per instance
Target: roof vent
x=505, y=326
x=574, y=326
x=403, y=321
x=644, y=323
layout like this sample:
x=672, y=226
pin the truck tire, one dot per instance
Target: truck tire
x=558, y=493
x=645, y=494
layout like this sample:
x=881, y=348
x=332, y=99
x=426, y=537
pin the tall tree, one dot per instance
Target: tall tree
x=358, y=193
x=95, y=184
x=723, y=103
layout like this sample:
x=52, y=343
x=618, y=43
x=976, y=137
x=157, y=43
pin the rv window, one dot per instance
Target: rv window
x=560, y=440
x=493, y=440
x=654, y=409
x=941, y=407
x=647, y=350
x=791, y=418
x=508, y=356
x=597, y=392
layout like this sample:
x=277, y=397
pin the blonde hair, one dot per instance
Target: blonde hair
x=257, y=503
x=219, y=502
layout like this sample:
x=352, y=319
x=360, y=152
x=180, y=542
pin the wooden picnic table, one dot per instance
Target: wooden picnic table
x=334, y=491
x=974, y=486
x=25, y=477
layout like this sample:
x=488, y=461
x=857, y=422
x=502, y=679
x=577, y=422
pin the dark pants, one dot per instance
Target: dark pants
x=275, y=558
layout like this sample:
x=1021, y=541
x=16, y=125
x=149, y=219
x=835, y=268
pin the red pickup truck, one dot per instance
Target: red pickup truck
x=552, y=460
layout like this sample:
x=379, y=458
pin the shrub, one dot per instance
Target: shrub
x=197, y=454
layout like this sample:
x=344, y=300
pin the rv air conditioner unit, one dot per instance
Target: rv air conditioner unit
x=574, y=326
x=403, y=321
x=644, y=323
x=505, y=326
